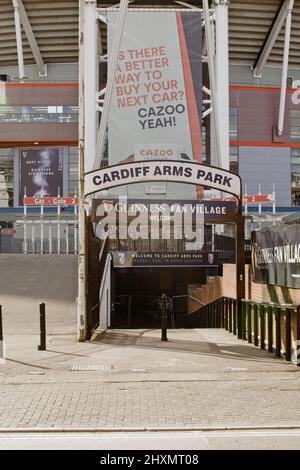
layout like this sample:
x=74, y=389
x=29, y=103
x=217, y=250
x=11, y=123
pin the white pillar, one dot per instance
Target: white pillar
x=25, y=225
x=91, y=87
x=33, y=238
x=58, y=226
x=81, y=303
x=285, y=66
x=67, y=239
x=274, y=199
x=259, y=193
x=222, y=78
x=19, y=40
x=42, y=228
x=50, y=238
x=210, y=47
x=214, y=145
x=75, y=225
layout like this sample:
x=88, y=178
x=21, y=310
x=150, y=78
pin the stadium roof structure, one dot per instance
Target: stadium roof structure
x=256, y=30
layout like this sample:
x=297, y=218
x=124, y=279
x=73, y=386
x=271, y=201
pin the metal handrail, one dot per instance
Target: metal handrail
x=271, y=304
x=197, y=300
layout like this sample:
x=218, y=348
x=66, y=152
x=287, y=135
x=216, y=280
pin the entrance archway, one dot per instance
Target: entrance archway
x=186, y=173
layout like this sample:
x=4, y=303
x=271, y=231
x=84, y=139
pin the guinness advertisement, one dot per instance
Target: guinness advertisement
x=213, y=212
x=276, y=256
x=130, y=259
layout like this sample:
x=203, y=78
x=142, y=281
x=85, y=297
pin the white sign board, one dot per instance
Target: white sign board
x=162, y=170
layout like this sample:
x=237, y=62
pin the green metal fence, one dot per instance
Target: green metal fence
x=270, y=326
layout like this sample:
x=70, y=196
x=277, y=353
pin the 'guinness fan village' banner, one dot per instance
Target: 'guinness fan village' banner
x=276, y=255
x=157, y=99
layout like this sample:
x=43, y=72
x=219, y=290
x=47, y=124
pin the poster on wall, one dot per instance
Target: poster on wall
x=40, y=173
x=276, y=256
x=157, y=97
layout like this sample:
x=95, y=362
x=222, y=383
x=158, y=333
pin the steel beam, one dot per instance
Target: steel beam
x=16, y=6
x=185, y=4
x=271, y=38
x=222, y=79
x=32, y=41
x=91, y=87
x=212, y=77
x=285, y=66
x=82, y=255
x=240, y=265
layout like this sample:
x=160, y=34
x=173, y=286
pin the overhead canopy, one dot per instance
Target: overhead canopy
x=55, y=26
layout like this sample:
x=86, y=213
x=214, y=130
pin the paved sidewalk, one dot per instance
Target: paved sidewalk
x=199, y=379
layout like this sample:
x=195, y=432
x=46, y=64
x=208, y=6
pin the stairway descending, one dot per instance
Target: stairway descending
x=205, y=294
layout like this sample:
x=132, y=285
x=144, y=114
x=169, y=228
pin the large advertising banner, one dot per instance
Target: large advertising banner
x=276, y=256
x=157, y=98
x=40, y=173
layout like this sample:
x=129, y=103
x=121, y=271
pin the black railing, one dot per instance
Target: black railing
x=208, y=316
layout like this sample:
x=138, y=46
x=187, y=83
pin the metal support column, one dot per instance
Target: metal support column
x=212, y=78
x=89, y=36
x=19, y=40
x=1, y=335
x=285, y=66
x=222, y=79
x=240, y=266
x=32, y=41
x=271, y=39
x=164, y=318
x=82, y=303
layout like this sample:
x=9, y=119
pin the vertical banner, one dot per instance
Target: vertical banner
x=157, y=99
x=276, y=255
x=41, y=173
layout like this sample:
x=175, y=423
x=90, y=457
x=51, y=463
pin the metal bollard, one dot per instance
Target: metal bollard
x=278, y=330
x=262, y=326
x=1, y=328
x=1, y=336
x=249, y=323
x=42, y=345
x=164, y=318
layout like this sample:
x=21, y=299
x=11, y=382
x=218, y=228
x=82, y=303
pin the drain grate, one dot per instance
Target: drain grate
x=91, y=367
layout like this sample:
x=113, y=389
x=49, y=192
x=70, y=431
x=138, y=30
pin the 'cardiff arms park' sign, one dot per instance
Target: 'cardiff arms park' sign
x=162, y=170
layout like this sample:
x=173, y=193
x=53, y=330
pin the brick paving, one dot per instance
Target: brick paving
x=199, y=379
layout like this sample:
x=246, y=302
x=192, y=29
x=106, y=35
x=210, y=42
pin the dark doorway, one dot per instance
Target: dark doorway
x=137, y=292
